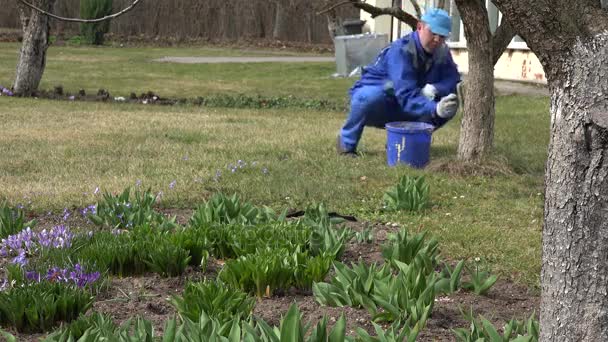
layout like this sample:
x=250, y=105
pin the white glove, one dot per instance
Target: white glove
x=447, y=106
x=429, y=91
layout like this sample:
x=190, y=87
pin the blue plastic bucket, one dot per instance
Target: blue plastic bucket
x=408, y=143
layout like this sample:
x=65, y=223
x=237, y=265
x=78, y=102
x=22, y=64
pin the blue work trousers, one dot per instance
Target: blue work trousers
x=371, y=106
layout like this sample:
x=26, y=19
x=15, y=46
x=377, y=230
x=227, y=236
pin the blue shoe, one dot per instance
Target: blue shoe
x=342, y=151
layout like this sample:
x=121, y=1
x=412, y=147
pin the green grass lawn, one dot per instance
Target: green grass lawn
x=55, y=154
x=126, y=70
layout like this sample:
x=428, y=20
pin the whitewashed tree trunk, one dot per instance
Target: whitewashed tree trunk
x=574, y=278
x=32, y=56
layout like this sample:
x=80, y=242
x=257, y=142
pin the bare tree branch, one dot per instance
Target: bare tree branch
x=333, y=7
x=79, y=20
x=416, y=8
x=502, y=37
x=395, y=12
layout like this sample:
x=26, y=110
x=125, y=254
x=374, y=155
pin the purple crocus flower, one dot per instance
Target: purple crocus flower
x=12, y=242
x=57, y=274
x=59, y=237
x=20, y=259
x=172, y=184
x=66, y=214
x=33, y=276
x=6, y=92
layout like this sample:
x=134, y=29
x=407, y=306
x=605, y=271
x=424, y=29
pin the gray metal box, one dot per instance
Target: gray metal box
x=357, y=51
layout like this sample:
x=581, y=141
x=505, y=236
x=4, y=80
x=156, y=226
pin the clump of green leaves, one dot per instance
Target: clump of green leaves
x=483, y=330
x=234, y=240
x=365, y=236
x=165, y=258
x=100, y=327
x=128, y=252
x=292, y=328
x=195, y=241
x=12, y=220
x=406, y=297
x=269, y=270
x=316, y=214
x=101, y=323
x=325, y=238
x=223, y=209
x=395, y=333
x=449, y=279
x=480, y=281
x=405, y=248
x=261, y=273
x=410, y=194
x=352, y=286
x=38, y=307
x=217, y=300
x=409, y=295
x=123, y=212
x=328, y=240
x=308, y=270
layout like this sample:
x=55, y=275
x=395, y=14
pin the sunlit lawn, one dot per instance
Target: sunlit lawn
x=126, y=70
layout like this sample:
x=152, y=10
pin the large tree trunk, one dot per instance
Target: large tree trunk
x=32, y=57
x=571, y=41
x=477, y=125
x=575, y=236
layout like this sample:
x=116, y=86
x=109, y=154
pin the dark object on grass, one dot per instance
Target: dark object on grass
x=58, y=90
x=300, y=213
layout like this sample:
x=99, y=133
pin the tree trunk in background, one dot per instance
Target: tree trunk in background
x=333, y=24
x=279, y=14
x=32, y=56
x=571, y=41
x=477, y=125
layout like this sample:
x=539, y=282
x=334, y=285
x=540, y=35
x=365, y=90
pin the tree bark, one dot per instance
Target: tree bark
x=477, y=125
x=571, y=41
x=32, y=56
x=575, y=237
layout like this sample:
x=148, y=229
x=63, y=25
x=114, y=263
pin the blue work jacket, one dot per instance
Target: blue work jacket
x=403, y=68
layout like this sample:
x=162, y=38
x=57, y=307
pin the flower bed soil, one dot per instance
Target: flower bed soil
x=147, y=295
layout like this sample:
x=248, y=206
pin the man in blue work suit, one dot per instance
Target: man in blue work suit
x=413, y=79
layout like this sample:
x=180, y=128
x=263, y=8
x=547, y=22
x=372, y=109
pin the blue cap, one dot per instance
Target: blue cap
x=438, y=20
